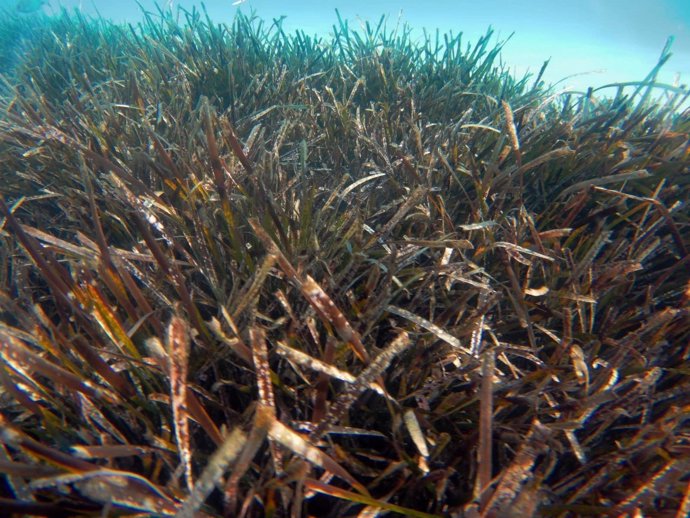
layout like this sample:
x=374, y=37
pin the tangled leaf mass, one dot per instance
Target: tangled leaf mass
x=251, y=273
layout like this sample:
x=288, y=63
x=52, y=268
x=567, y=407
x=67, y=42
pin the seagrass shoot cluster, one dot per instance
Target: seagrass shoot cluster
x=247, y=272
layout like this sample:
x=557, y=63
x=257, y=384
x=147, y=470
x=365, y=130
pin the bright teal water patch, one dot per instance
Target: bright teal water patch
x=16, y=32
x=590, y=42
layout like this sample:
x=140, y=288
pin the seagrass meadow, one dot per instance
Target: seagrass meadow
x=251, y=273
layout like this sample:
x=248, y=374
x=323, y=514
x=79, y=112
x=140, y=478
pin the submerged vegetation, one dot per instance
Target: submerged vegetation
x=251, y=273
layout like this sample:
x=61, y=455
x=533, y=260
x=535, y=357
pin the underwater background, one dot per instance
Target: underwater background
x=249, y=272
x=590, y=42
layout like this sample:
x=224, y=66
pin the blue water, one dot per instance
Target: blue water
x=590, y=42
